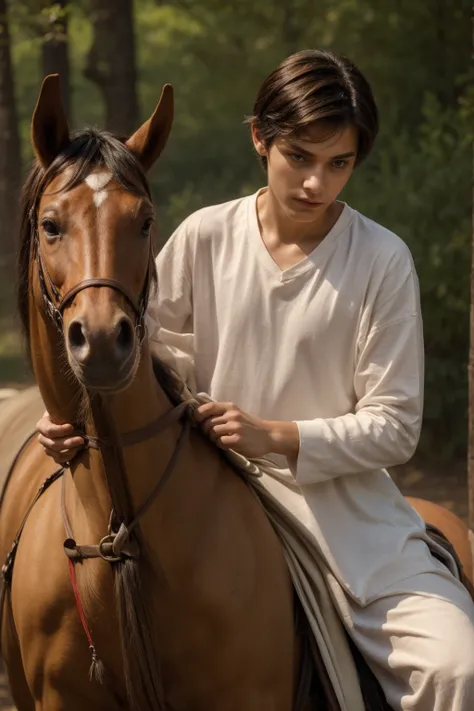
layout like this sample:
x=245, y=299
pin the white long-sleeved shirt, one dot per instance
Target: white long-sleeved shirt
x=333, y=343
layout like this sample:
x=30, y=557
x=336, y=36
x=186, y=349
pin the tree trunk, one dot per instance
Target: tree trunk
x=10, y=154
x=470, y=457
x=55, y=49
x=111, y=63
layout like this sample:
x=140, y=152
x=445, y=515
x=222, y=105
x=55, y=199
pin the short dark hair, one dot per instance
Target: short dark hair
x=315, y=86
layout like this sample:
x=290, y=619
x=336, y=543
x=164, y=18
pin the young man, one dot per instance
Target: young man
x=301, y=319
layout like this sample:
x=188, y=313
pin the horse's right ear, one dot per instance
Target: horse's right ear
x=49, y=127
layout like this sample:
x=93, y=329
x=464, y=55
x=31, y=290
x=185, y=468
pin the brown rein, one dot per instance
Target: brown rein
x=117, y=543
x=109, y=546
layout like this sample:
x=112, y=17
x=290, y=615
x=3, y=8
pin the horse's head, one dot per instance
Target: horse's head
x=91, y=224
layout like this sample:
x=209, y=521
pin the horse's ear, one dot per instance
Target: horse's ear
x=49, y=127
x=150, y=139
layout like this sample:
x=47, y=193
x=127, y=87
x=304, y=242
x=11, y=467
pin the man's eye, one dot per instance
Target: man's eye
x=339, y=163
x=297, y=157
x=50, y=228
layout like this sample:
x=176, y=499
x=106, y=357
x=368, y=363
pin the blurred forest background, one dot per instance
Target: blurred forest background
x=115, y=55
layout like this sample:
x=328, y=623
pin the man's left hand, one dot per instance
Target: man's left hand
x=231, y=428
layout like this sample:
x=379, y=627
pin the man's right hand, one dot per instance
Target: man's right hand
x=57, y=440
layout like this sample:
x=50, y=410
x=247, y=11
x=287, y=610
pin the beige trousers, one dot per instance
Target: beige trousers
x=418, y=638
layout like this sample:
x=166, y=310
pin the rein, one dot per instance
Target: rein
x=117, y=545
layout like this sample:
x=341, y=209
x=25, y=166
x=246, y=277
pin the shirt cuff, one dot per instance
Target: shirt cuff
x=307, y=471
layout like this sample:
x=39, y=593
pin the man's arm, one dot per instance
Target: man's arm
x=384, y=427
x=169, y=315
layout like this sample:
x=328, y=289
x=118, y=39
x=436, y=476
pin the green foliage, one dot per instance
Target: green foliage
x=419, y=186
x=416, y=54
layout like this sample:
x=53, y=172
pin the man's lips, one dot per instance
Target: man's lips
x=309, y=202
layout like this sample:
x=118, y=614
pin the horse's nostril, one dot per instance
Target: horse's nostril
x=124, y=335
x=77, y=339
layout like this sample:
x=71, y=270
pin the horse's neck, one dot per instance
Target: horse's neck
x=142, y=403
x=139, y=405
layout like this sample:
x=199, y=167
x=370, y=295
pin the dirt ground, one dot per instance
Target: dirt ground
x=445, y=485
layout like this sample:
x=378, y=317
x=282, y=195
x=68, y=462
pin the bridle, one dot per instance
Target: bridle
x=113, y=547
x=55, y=303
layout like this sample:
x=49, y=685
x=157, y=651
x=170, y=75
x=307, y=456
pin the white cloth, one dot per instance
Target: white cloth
x=418, y=636
x=333, y=343
x=419, y=641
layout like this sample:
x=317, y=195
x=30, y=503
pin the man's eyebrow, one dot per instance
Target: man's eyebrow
x=296, y=147
x=300, y=149
x=350, y=154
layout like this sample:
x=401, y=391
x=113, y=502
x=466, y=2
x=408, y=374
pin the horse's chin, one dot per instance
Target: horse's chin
x=105, y=380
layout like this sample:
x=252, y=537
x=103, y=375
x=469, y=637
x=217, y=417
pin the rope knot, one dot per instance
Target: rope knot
x=123, y=544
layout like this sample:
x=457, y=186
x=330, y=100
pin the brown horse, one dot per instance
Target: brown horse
x=451, y=527
x=205, y=612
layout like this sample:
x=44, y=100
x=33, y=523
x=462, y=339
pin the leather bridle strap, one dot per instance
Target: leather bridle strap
x=117, y=545
x=55, y=310
x=143, y=433
x=88, y=283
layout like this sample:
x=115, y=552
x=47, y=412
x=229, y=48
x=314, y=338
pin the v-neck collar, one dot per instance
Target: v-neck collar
x=311, y=260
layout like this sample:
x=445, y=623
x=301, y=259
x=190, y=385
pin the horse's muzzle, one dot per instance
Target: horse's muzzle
x=102, y=358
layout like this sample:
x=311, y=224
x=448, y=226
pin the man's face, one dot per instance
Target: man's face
x=306, y=174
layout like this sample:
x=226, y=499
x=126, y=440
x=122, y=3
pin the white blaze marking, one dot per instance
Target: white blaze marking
x=97, y=182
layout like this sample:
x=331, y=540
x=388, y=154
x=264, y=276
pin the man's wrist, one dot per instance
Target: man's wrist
x=284, y=438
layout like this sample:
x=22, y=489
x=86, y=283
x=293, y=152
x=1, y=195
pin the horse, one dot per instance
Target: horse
x=205, y=610
x=147, y=563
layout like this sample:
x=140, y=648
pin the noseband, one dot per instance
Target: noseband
x=55, y=303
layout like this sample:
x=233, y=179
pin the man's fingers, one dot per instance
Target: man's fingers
x=228, y=441
x=49, y=429
x=61, y=457
x=212, y=409
x=209, y=423
x=225, y=428
x=58, y=445
x=73, y=443
x=205, y=411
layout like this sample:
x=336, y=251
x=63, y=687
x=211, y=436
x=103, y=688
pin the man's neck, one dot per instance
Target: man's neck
x=280, y=230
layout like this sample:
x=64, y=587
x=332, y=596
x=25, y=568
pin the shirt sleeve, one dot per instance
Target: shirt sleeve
x=383, y=430
x=169, y=315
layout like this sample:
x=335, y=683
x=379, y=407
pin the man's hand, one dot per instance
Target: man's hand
x=231, y=428
x=57, y=440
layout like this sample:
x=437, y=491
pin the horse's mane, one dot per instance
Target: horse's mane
x=169, y=380
x=89, y=148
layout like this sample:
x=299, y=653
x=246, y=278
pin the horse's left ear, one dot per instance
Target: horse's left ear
x=150, y=139
x=49, y=127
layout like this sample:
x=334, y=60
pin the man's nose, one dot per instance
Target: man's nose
x=313, y=182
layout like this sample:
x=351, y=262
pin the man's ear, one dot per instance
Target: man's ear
x=259, y=145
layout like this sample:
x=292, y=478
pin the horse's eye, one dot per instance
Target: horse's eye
x=147, y=225
x=50, y=228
